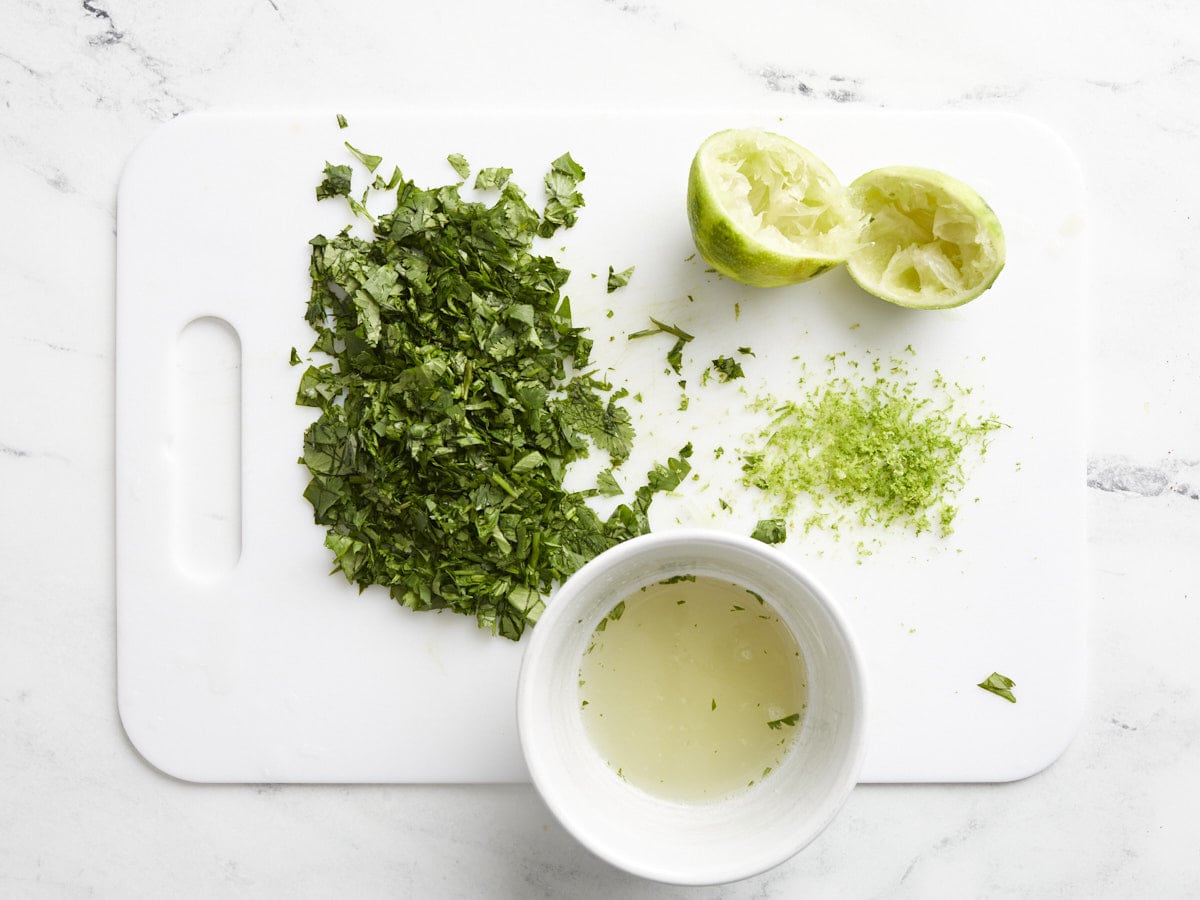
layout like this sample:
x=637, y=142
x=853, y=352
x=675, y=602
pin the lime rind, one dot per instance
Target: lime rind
x=765, y=211
x=929, y=241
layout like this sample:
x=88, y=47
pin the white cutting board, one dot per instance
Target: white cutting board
x=241, y=659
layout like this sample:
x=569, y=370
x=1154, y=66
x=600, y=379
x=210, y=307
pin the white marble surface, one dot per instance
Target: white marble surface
x=81, y=84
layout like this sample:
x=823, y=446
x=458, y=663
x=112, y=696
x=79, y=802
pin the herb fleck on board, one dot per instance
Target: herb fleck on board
x=1000, y=685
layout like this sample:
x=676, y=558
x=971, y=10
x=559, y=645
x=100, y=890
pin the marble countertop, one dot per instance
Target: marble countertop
x=82, y=84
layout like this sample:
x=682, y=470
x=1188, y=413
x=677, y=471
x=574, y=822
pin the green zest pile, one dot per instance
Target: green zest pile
x=875, y=444
x=456, y=396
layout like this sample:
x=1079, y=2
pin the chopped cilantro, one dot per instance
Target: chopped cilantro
x=663, y=328
x=492, y=179
x=359, y=207
x=618, y=279
x=294, y=360
x=606, y=423
x=770, y=531
x=336, y=182
x=562, y=199
x=341, y=120
x=727, y=368
x=390, y=185
x=776, y=724
x=675, y=354
x=367, y=159
x=448, y=411
x=1000, y=685
x=606, y=484
x=459, y=163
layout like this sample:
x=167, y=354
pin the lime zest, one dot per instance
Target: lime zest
x=876, y=448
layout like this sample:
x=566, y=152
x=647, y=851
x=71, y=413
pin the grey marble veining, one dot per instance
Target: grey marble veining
x=81, y=84
x=1121, y=474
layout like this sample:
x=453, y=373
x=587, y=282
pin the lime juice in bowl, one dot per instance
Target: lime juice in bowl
x=724, y=832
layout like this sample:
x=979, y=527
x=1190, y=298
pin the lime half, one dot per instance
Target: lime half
x=929, y=241
x=765, y=211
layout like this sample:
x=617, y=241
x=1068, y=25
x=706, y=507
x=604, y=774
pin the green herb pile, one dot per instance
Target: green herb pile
x=877, y=444
x=456, y=396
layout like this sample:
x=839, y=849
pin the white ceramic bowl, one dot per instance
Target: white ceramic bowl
x=705, y=842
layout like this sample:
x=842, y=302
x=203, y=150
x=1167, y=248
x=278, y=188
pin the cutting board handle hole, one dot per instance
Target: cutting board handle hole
x=206, y=448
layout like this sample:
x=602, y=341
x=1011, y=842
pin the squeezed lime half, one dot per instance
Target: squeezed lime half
x=765, y=211
x=928, y=240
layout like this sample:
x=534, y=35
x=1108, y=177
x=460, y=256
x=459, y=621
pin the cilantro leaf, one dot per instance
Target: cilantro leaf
x=492, y=179
x=390, y=185
x=662, y=328
x=790, y=721
x=606, y=484
x=336, y=182
x=617, y=280
x=562, y=198
x=770, y=531
x=631, y=519
x=1000, y=685
x=727, y=368
x=460, y=165
x=607, y=424
x=367, y=159
x=675, y=354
